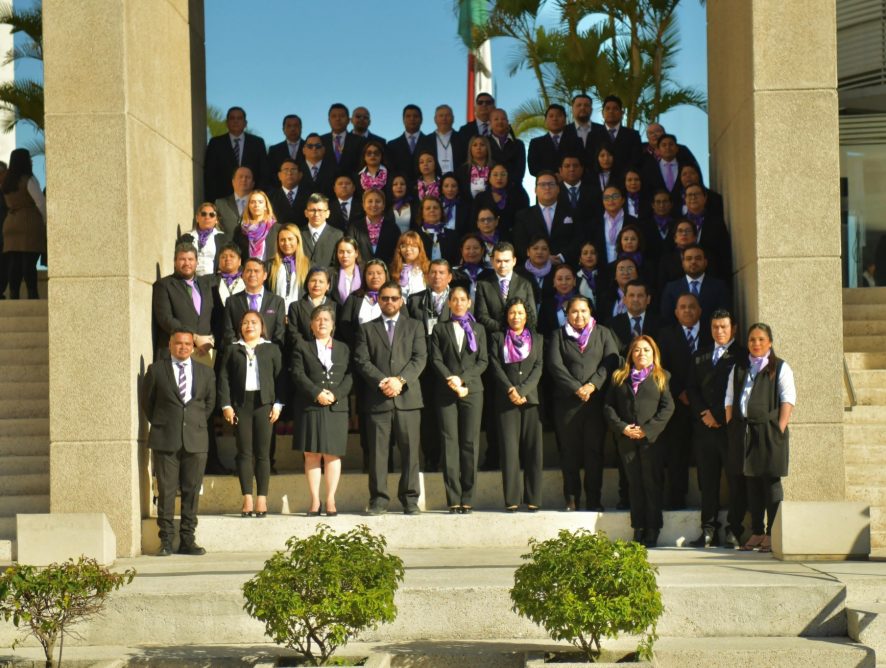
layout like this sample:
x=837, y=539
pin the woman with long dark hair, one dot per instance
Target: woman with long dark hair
x=24, y=232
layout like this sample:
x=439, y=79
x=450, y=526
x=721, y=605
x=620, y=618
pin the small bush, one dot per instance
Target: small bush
x=324, y=589
x=47, y=601
x=582, y=587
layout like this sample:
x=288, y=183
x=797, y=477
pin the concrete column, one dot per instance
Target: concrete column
x=772, y=77
x=119, y=167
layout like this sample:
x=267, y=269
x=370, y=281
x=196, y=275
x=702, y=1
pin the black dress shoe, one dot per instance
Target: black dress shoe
x=165, y=551
x=316, y=513
x=651, y=539
x=377, y=509
x=704, y=540
x=193, y=550
x=532, y=509
x=466, y=510
x=511, y=509
x=245, y=513
x=732, y=540
x=454, y=510
x=414, y=510
x=596, y=509
x=263, y=513
x=638, y=535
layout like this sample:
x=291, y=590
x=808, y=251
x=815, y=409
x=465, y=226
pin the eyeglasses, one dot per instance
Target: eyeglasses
x=313, y=211
x=407, y=246
x=546, y=184
x=389, y=298
x=485, y=102
x=372, y=153
x=313, y=145
x=290, y=170
x=209, y=214
x=694, y=195
x=611, y=198
x=486, y=219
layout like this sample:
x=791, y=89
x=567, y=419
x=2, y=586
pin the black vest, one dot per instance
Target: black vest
x=765, y=447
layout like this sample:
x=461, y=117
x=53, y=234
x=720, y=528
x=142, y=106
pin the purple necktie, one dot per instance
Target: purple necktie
x=412, y=144
x=291, y=197
x=549, y=218
x=612, y=133
x=195, y=294
x=338, y=148
x=253, y=302
x=671, y=177
x=314, y=171
x=503, y=287
x=391, y=325
x=182, y=380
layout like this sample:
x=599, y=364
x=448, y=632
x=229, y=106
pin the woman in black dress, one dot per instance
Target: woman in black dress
x=322, y=379
x=250, y=388
x=516, y=355
x=638, y=407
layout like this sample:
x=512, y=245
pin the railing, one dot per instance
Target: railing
x=850, y=388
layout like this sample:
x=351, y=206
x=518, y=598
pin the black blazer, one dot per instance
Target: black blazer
x=562, y=239
x=676, y=356
x=650, y=409
x=544, y=155
x=325, y=180
x=232, y=375
x=621, y=326
x=706, y=384
x=572, y=134
x=517, y=200
x=176, y=425
x=173, y=308
x=524, y=375
x=569, y=368
x=290, y=213
x=376, y=359
x=717, y=244
x=298, y=321
x=489, y=306
x=387, y=240
x=400, y=160
x=457, y=143
x=273, y=312
x=447, y=360
x=587, y=209
x=449, y=241
x=548, y=320
x=420, y=307
x=321, y=254
x=309, y=377
x=627, y=149
x=512, y=155
x=350, y=156
x=336, y=216
x=219, y=164
x=652, y=179
x=541, y=293
x=277, y=155
x=713, y=295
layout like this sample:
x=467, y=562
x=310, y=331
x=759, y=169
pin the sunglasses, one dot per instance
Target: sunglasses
x=313, y=145
x=210, y=214
x=388, y=298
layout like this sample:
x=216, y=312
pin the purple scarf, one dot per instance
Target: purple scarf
x=435, y=228
x=634, y=200
x=230, y=278
x=472, y=270
x=203, y=237
x=562, y=299
x=256, y=233
x=370, y=182
x=538, y=272
x=637, y=257
x=449, y=208
x=696, y=219
x=400, y=202
x=503, y=202
x=580, y=337
x=490, y=240
x=342, y=283
x=289, y=261
x=517, y=346
x=374, y=230
x=404, y=275
x=590, y=277
x=431, y=189
x=465, y=322
x=663, y=222
x=758, y=363
x=373, y=296
x=638, y=376
x=613, y=225
x=502, y=139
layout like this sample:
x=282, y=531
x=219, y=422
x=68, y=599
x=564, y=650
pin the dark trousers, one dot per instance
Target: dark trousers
x=178, y=470
x=642, y=464
x=405, y=427
x=253, y=433
x=460, y=428
x=580, y=431
x=490, y=424
x=521, y=439
x=677, y=439
x=22, y=265
x=431, y=441
x=764, y=496
x=712, y=457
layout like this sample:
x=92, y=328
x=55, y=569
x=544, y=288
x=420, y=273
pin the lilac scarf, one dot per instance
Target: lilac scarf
x=561, y=300
x=256, y=233
x=637, y=257
x=465, y=322
x=289, y=261
x=517, y=346
x=538, y=272
x=758, y=363
x=503, y=202
x=230, y=278
x=696, y=219
x=404, y=275
x=590, y=277
x=580, y=337
x=203, y=237
x=663, y=223
x=372, y=295
x=472, y=270
x=343, y=292
x=449, y=208
x=638, y=376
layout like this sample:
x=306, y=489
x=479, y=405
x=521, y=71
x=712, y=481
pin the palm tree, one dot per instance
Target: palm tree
x=22, y=99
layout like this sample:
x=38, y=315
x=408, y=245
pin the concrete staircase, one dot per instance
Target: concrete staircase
x=864, y=424
x=24, y=415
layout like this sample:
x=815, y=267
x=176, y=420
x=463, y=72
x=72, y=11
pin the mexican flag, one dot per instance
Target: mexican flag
x=471, y=15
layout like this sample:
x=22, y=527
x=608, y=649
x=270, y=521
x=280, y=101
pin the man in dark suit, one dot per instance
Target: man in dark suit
x=711, y=230
x=623, y=142
x=290, y=199
x=360, y=120
x=637, y=319
x=255, y=298
x=319, y=171
x=548, y=220
x=344, y=208
x=342, y=147
x=581, y=129
x=506, y=148
x=230, y=208
x=577, y=195
x=318, y=237
x=390, y=355
x=712, y=293
x=183, y=301
x=429, y=307
x=677, y=344
x=546, y=151
x=650, y=148
x=663, y=173
x=227, y=152
x=400, y=153
x=289, y=148
x=179, y=399
x=484, y=103
x=447, y=145
x=706, y=387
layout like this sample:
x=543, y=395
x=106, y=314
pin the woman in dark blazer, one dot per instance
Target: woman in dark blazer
x=516, y=356
x=580, y=356
x=459, y=357
x=456, y=210
x=503, y=197
x=346, y=276
x=298, y=321
x=207, y=237
x=322, y=379
x=376, y=233
x=250, y=388
x=552, y=312
x=638, y=407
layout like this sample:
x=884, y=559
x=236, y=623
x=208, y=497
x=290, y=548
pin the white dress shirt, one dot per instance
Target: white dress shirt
x=189, y=377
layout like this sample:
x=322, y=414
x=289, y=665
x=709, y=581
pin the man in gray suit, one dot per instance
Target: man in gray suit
x=390, y=354
x=230, y=208
x=179, y=399
x=318, y=237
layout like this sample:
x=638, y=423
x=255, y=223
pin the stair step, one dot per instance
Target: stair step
x=868, y=378
x=864, y=296
x=865, y=473
x=864, y=327
x=24, y=408
x=860, y=454
x=874, y=496
x=19, y=340
x=23, y=503
x=24, y=484
x=18, y=308
x=37, y=373
x=861, y=344
x=866, y=360
x=33, y=323
x=27, y=356
x=23, y=446
x=864, y=434
x=24, y=464
x=24, y=427
x=870, y=396
x=865, y=415
x=864, y=312
x=6, y=551
x=24, y=389
x=763, y=651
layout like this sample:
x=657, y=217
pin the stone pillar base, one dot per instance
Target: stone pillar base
x=816, y=530
x=44, y=539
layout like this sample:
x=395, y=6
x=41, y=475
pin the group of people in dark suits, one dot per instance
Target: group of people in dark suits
x=416, y=272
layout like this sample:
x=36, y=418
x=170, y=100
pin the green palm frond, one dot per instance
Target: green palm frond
x=28, y=22
x=215, y=121
x=24, y=98
x=528, y=119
